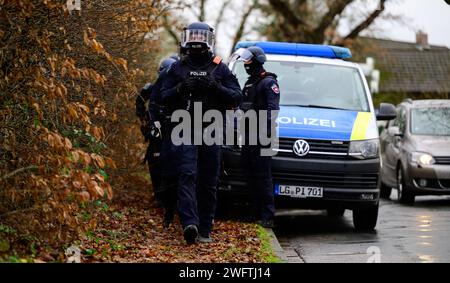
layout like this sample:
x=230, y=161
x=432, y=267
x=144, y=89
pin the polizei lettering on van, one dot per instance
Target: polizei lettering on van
x=307, y=122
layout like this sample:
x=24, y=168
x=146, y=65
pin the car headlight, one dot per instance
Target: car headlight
x=422, y=158
x=365, y=149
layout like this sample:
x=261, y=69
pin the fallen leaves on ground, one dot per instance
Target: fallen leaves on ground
x=131, y=231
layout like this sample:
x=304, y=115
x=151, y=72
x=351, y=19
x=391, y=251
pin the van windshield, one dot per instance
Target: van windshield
x=315, y=85
x=430, y=121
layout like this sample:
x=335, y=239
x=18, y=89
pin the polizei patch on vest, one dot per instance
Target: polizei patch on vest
x=276, y=89
x=198, y=74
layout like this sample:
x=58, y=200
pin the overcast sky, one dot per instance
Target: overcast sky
x=432, y=16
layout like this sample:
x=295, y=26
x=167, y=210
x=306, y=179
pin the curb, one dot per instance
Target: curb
x=279, y=252
x=286, y=256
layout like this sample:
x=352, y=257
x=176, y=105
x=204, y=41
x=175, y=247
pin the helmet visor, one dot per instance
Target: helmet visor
x=243, y=54
x=197, y=36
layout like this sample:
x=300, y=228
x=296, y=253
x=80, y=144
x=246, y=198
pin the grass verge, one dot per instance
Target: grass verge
x=267, y=254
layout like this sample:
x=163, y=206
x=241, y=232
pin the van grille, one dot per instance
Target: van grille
x=327, y=179
x=445, y=183
x=338, y=180
x=318, y=149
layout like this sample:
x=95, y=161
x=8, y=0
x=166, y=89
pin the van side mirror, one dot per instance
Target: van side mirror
x=386, y=112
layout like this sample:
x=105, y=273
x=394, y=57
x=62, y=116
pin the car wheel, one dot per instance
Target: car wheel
x=365, y=219
x=336, y=212
x=385, y=191
x=404, y=194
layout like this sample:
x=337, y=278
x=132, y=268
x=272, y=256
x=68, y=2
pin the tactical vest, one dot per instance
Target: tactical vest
x=253, y=100
x=188, y=70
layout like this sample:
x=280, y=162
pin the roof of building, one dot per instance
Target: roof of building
x=407, y=67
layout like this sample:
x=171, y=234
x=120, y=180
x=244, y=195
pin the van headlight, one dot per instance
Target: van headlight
x=422, y=158
x=365, y=149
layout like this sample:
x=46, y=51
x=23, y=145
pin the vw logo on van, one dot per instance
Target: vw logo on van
x=301, y=148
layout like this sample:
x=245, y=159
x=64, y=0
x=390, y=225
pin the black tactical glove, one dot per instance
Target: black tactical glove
x=155, y=131
x=151, y=131
x=209, y=84
x=187, y=86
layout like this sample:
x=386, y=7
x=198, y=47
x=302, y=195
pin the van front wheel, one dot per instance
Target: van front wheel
x=365, y=219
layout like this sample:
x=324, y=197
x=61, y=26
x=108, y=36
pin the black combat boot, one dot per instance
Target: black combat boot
x=191, y=234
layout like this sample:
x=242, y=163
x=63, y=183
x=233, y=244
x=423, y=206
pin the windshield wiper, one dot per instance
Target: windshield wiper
x=319, y=106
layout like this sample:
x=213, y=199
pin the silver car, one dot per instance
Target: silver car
x=416, y=150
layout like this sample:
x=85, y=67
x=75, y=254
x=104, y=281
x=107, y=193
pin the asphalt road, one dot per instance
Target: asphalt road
x=405, y=234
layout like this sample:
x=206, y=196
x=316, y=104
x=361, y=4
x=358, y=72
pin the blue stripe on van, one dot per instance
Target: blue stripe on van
x=314, y=123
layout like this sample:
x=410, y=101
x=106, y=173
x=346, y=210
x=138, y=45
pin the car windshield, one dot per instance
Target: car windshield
x=315, y=85
x=430, y=121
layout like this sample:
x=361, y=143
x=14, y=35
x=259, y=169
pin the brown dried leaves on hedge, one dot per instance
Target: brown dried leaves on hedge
x=67, y=129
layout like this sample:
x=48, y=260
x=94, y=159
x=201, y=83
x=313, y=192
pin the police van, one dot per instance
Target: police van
x=328, y=155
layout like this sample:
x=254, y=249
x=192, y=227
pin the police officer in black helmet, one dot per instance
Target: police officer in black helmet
x=151, y=115
x=198, y=77
x=261, y=92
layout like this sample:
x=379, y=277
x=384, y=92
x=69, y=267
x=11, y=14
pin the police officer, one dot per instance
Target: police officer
x=198, y=77
x=261, y=92
x=152, y=119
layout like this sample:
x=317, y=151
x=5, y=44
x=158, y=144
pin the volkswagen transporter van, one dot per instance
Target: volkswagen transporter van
x=329, y=150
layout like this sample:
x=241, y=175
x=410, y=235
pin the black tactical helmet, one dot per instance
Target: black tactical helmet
x=165, y=64
x=198, y=35
x=175, y=56
x=258, y=54
x=252, y=53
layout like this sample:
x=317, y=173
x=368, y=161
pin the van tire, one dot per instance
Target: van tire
x=365, y=219
x=385, y=191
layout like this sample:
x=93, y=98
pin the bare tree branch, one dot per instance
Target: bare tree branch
x=367, y=22
x=219, y=18
x=202, y=16
x=312, y=21
x=9, y=213
x=222, y=10
x=18, y=171
x=284, y=8
x=242, y=24
x=336, y=8
x=169, y=28
x=299, y=3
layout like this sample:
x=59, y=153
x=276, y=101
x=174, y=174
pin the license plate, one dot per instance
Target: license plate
x=299, y=191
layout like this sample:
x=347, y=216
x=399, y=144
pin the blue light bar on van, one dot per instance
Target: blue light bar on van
x=299, y=49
